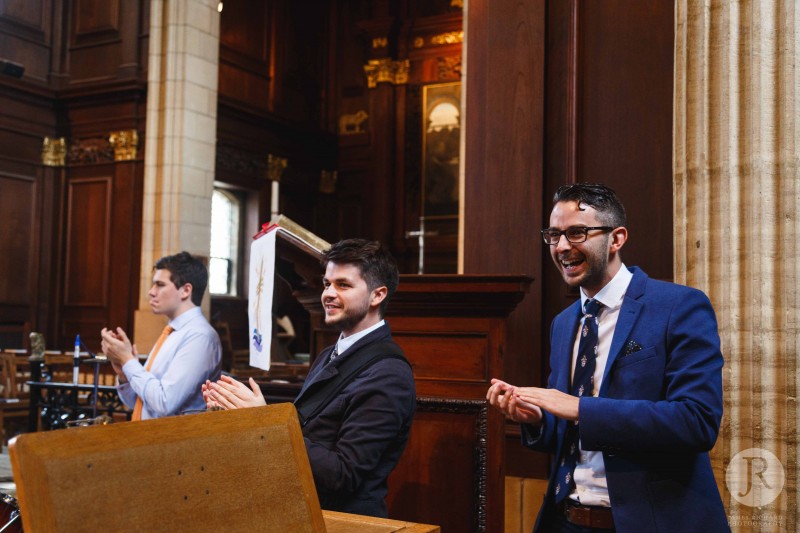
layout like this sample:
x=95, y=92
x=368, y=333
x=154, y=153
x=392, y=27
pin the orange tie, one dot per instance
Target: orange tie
x=137, y=409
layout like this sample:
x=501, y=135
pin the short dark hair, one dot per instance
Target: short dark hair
x=185, y=268
x=377, y=266
x=602, y=198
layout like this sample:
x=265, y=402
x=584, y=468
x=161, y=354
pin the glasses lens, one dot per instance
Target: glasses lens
x=576, y=234
x=551, y=237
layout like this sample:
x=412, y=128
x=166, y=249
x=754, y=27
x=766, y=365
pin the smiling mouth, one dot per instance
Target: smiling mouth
x=570, y=264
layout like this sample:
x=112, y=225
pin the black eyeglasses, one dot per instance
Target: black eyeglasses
x=574, y=234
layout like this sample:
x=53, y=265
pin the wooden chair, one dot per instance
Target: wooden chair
x=14, y=373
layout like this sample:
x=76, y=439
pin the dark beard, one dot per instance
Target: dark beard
x=349, y=320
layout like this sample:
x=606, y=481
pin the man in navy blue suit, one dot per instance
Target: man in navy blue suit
x=359, y=428
x=641, y=430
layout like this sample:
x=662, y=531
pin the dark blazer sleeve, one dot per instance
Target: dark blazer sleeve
x=364, y=422
x=666, y=397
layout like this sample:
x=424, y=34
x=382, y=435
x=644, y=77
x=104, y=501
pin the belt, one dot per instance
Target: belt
x=583, y=515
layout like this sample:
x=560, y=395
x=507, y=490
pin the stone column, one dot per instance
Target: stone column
x=180, y=145
x=737, y=209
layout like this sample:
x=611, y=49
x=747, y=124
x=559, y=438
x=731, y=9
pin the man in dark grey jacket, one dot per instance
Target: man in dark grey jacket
x=356, y=432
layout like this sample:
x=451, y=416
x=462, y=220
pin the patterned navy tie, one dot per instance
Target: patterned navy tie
x=334, y=353
x=582, y=383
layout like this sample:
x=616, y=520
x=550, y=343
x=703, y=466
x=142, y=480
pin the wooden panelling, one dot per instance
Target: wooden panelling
x=609, y=120
x=422, y=487
x=625, y=103
x=503, y=161
x=245, y=55
x=451, y=356
x=25, y=36
x=96, y=21
x=102, y=239
x=272, y=58
x=121, y=111
x=28, y=16
x=103, y=43
x=30, y=207
x=88, y=227
x=245, y=36
x=18, y=240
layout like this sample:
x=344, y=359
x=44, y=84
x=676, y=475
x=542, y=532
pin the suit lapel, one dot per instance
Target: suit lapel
x=328, y=371
x=320, y=373
x=628, y=315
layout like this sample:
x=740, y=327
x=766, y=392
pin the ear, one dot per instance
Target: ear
x=618, y=238
x=378, y=295
x=185, y=291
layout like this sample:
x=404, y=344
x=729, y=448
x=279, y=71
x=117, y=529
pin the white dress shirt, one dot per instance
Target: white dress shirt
x=591, y=487
x=346, y=342
x=190, y=355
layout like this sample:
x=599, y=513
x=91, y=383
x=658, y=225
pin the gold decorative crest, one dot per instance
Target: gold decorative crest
x=54, y=151
x=452, y=37
x=125, y=143
x=386, y=71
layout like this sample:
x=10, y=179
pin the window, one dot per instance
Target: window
x=225, y=229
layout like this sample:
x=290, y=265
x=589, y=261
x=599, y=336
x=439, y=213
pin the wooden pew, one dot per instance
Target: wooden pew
x=241, y=470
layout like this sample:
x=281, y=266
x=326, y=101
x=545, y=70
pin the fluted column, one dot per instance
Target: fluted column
x=180, y=142
x=737, y=210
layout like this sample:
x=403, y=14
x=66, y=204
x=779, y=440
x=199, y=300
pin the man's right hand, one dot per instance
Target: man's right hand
x=500, y=395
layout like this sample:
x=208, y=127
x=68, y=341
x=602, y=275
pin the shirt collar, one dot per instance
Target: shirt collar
x=612, y=294
x=185, y=317
x=346, y=342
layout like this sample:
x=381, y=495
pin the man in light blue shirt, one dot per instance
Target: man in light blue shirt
x=186, y=355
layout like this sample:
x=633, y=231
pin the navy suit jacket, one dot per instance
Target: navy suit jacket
x=356, y=440
x=657, y=413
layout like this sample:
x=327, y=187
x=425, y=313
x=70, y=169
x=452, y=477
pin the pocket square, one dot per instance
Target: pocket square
x=632, y=347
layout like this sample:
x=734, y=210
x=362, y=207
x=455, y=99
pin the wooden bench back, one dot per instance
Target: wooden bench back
x=241, y=470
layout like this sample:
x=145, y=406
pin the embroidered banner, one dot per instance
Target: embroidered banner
x=262, y=280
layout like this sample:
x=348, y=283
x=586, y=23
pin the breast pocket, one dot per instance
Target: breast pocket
x=636, y=357
x=639, y=375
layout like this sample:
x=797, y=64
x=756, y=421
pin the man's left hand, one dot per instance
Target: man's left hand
x=553, y=401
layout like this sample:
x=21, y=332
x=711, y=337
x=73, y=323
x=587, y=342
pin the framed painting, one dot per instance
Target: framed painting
x=441, y=138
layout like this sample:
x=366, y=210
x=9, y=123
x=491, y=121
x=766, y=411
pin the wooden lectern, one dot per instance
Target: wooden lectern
x=241, y=470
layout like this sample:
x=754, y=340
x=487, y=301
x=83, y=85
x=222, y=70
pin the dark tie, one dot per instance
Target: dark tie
x=582, y=383
x=334, y=353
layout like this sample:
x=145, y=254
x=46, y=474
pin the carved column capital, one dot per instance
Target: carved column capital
x=275, y=167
